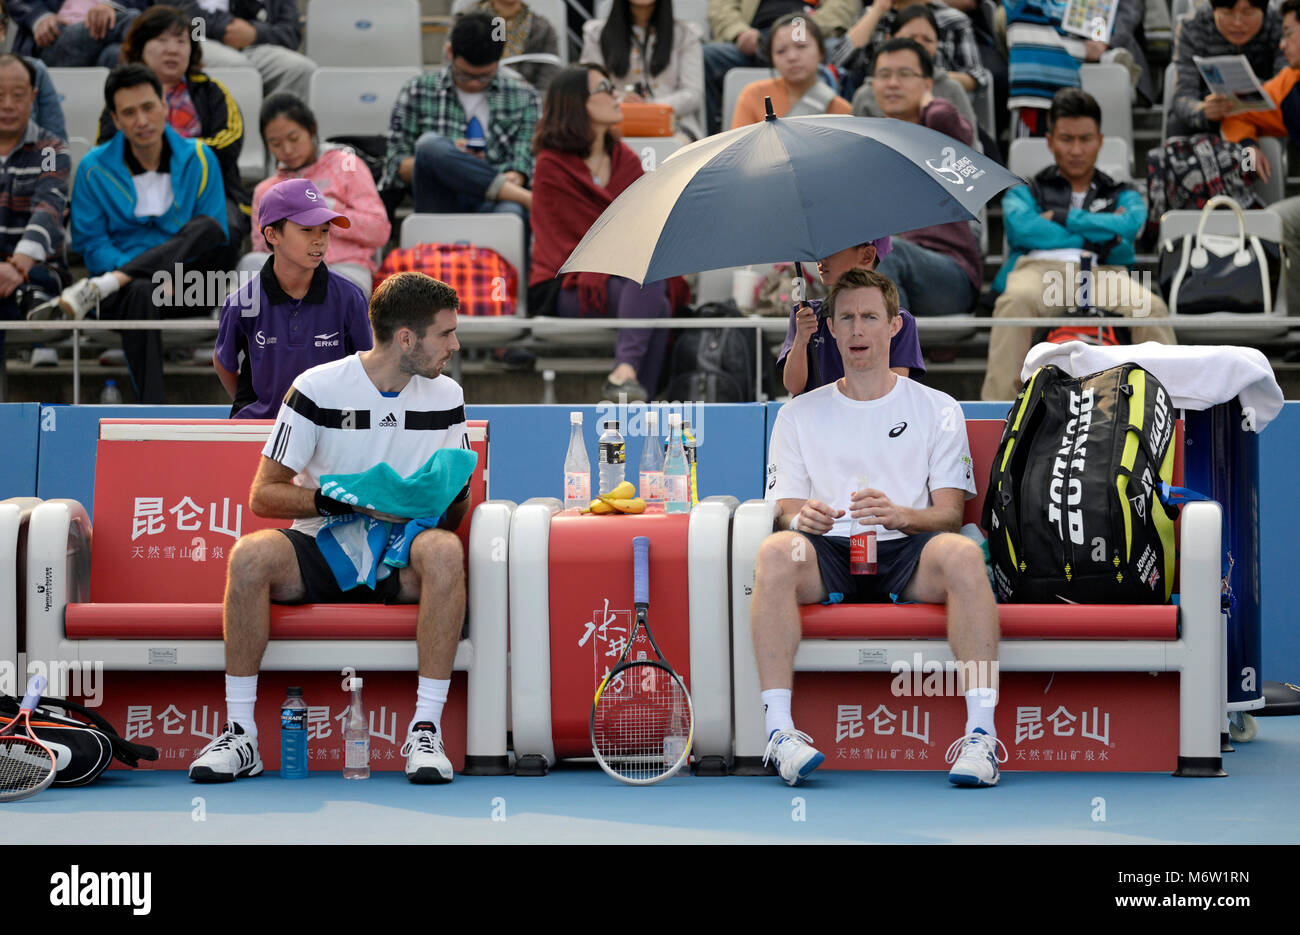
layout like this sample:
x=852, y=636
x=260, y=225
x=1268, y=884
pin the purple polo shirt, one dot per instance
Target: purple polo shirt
x=904, y=348
x=279, y=336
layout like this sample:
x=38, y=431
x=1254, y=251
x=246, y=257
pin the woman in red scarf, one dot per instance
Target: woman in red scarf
x=581, y=168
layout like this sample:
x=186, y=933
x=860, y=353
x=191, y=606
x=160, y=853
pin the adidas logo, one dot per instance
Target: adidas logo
x=388, y=422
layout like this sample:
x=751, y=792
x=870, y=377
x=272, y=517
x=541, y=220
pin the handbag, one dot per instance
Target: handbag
x=1204, y=273
x=485, y=281
x=645, y=118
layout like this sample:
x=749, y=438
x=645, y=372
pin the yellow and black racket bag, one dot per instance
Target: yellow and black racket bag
x=1072, y=509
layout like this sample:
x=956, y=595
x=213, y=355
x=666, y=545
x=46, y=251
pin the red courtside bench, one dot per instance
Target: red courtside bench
x=1104, y=687
x=171, y=498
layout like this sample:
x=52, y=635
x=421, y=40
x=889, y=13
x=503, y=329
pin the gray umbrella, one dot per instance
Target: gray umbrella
x=801, y=188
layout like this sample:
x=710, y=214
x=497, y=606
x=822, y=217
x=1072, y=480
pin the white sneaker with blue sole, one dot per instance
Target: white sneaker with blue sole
x=977, y=760
x=794, y=755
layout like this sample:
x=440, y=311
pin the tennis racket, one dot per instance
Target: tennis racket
x=642, y=722
x=26, y=765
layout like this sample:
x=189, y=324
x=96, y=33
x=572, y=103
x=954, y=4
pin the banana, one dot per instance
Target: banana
x=599, y=507
x=635, y=505
x=624, y=491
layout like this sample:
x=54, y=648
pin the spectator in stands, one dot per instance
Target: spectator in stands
x=289, y=129
x=938, y=269
x=461, y=136
x=956, y=52
x=198, y=106
x=75, y=33
x=581, y=168
x=739, y=28
x=1224, y=27
x=314, y=314
x=810, y=333
x=147, y=201
x=46, y=111
x=796, y=50
x=527, y=32
x=262, y=34
x=33, y=197
x=1126, y=46
x=1246, y=128
x=407, y=411
x=917, y=22
x=910, y=441
x=1068, y=209
x=663, y=58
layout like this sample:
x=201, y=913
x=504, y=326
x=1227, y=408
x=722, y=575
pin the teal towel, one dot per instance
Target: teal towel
x=426, y=493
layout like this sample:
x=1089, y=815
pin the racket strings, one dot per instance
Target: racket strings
x=24, y=765
x=641, y=723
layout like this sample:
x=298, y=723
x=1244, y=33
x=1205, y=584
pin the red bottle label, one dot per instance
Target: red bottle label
x=862, y=553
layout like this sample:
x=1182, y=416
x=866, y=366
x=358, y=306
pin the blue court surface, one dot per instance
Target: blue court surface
x=1259, y=803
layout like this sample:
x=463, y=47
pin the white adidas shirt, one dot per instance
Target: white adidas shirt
x=334, y=421
x=908, y=442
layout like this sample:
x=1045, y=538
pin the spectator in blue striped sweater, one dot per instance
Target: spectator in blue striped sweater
x=34, y=168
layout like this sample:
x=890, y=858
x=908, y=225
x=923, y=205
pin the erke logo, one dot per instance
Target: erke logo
x=103, y=889
x=898, y=430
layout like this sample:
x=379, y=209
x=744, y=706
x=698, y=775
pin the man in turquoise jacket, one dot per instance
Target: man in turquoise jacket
x=148, y=207
x=1070, y=235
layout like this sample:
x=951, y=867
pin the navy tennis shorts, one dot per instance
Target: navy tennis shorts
x=896, y=561
x=323, y=588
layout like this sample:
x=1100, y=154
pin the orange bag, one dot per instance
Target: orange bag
x=646, y=119
x=485, y=281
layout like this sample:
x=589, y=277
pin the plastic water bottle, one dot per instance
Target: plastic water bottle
x=548, y=387
x=862, y=542
x=612, y=457
x=652, y=465
x=293, y=736
x=676, y=472
x=577, y=469
x=688, y=443
x=356, y=738
x=110, y=395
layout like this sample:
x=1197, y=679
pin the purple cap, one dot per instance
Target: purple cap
x=884, y=247
x=300, y=201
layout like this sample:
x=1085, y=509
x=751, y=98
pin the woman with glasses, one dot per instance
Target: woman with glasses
x=581, y=168
x=1223, y=27
x=796, y=50
x=643, y=46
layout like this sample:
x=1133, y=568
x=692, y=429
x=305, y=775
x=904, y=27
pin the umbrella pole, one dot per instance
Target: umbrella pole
x=798, y=290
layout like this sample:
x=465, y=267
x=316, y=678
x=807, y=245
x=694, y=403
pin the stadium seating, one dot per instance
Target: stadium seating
x=1111, y=86
x=164, y=615
x=81, y=95
x=659, y=147
x=245, y=86
x=373, y=34
x=1057, y=638
x=733, y=83
x=356, y=101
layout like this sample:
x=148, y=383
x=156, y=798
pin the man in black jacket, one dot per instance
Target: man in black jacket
x=260, y=33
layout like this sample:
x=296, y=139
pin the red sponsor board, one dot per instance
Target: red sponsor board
x=1066, y=722
x=592, y=610
x=180, y=712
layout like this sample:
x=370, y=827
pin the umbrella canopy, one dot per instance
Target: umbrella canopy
x=794, y=189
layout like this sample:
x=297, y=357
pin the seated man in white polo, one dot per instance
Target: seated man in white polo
x=910, y=443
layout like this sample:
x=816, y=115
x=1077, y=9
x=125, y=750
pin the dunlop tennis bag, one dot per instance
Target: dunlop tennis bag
x=1072, y=511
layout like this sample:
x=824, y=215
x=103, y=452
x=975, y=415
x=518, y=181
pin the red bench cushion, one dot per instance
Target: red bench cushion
x=203, y=622
x=1019, y=622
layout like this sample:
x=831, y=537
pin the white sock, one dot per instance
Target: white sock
x=107, y=284
x=980, y=705
x=776, y=710
x=430, y=696
x=241, y=696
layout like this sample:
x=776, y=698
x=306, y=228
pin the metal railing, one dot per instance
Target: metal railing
x=506, y=327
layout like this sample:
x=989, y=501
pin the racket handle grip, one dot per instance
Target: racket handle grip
x=35, y=689
x=641, y=570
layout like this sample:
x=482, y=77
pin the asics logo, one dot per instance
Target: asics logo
x=898, y=430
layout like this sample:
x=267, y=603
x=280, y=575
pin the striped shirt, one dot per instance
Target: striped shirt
x=34, y=195
x=429, y=104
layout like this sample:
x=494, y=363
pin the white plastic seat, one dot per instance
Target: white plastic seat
x=373, y=33
x=733, y=83
x=245, y=86
x=81, y=95
x=658, y=147
x=356, y=101
x=1113, y=89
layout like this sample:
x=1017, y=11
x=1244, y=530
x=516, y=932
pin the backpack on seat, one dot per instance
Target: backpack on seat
x=1072, y=511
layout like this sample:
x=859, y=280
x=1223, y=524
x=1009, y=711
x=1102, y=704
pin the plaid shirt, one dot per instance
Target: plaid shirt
x=957, y=49
x=428, y=104
x=34, y=196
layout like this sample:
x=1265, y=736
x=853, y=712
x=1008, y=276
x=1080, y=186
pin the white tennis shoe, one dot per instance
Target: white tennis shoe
x=976, y=759
x=794, y=755
x=426, y=761
x=231, y=756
